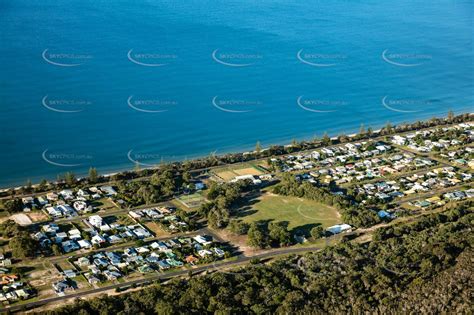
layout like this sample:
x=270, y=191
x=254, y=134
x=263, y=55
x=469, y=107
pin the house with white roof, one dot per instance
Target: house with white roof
x=84, y=244
x=339, y=228
x=97, y=239
x=202, y=239
x=67, y=194
x=95, y=220
x=108, y=190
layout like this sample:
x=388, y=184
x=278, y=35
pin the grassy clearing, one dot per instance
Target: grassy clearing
x=301, y=214
x=407, y=206
x=156, y=229
x=64, y=265
x=104, y=204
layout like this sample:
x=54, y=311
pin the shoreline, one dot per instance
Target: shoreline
x=110, y=171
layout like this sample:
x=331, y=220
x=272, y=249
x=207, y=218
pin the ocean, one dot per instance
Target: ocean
x=113, y=84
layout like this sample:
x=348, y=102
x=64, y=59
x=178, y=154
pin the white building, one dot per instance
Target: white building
x=96, y=221
x=339, y=228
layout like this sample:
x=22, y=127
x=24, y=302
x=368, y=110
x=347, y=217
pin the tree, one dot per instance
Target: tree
x=165, y=308
x=388, y=128
x=29, y=186
x=148, y=194
x=22, y=245
x=317, y=232
x=370, y=131
x=278, y=233
x=137, y=167
x=326, y=140
x=166, y=182
x=13, y=205
x=187, y=176
x=218, y=217
x=258, y=147
x=362, y=129
x=56, y=250
x=70, y=178
x=238, y=227
x=43, y=185
x=93, y=175
x=450, y=116
x=256, y=235
x=10, y=228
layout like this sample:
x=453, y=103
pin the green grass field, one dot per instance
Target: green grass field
x=301, y=214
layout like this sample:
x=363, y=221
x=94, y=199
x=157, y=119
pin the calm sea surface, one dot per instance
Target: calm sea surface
x=114, y=83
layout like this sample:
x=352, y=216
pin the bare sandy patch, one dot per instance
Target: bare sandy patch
x=21, y=219
x=248, y=171
x=37, y=216
x=226, y=175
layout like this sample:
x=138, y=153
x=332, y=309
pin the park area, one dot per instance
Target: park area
x=301, y=214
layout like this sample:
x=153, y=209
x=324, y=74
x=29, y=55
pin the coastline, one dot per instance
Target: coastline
x=127, y=167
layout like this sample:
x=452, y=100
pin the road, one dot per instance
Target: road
x=163, y=276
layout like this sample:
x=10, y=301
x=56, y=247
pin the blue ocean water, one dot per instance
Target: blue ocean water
x=112, y=83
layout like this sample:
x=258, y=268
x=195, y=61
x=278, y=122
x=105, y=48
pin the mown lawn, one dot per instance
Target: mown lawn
x=301, y=214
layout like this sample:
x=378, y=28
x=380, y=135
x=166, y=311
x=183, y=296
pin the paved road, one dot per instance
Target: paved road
x=163, y=276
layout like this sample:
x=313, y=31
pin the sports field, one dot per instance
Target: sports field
x=301, y=214
x=230, y=172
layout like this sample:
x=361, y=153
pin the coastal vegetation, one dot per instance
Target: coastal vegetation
x=201, y=164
